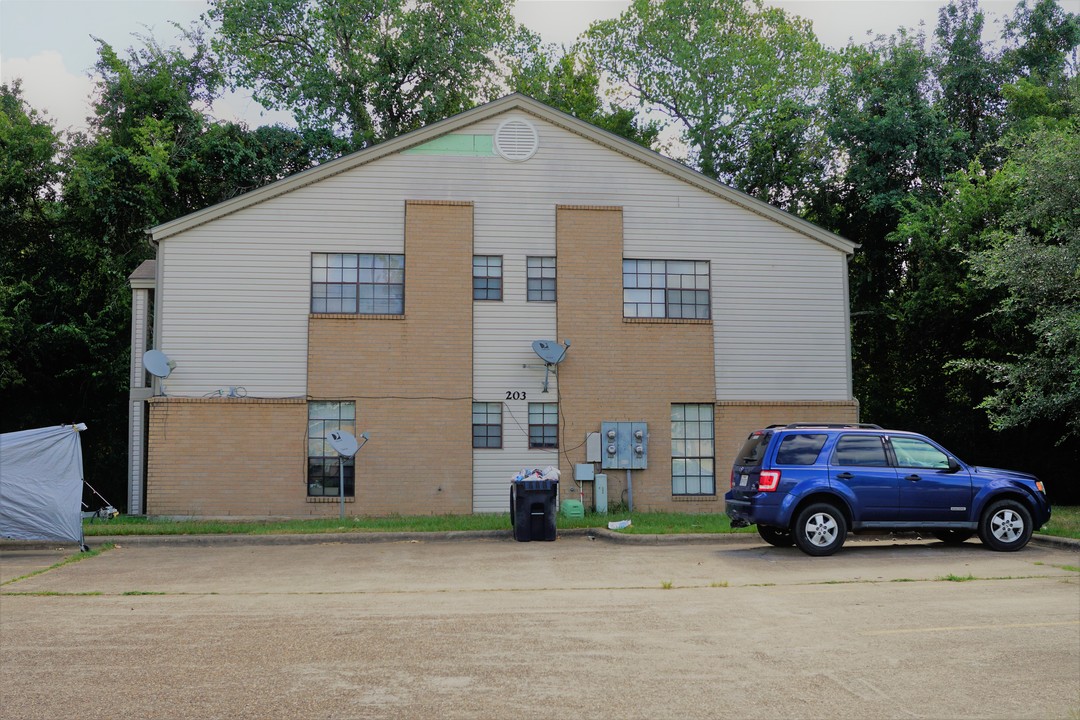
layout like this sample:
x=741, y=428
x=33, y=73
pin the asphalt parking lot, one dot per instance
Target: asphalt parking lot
x=490, y=628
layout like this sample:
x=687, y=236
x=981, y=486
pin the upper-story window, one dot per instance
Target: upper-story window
x=666, y=289
x=541, y=279
x=487, y=277
x=368, y=284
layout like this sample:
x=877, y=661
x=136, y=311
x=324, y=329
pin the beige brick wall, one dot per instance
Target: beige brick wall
x=222, y=456
x=622, y=370
x=737, y=419
x=410, y=376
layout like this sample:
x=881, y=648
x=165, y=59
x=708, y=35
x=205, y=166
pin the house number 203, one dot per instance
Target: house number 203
x=515, y=395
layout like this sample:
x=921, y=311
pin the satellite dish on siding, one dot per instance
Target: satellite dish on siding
x=343, y=442
x=550, y=351
x=158, y=363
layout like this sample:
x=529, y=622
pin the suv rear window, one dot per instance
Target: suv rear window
x=800, y=449
x=753, y=450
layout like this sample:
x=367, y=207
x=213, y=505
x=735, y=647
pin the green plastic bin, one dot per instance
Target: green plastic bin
x=572, y=509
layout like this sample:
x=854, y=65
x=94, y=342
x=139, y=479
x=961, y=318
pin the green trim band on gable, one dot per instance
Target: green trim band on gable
x=459, y=144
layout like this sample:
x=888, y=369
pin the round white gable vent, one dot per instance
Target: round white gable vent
x=516, y=140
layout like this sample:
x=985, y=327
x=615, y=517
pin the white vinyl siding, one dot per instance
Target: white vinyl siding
x=503, y=362
x=780, y=325
x=236, y=290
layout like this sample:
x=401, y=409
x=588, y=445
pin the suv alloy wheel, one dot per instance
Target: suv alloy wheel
x=820, y=529
x=1005, y=526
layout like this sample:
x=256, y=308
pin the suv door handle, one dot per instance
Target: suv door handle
x=913, y=478
x=845, y=476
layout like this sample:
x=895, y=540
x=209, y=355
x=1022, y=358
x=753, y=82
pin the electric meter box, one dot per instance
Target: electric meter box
x=624, y=445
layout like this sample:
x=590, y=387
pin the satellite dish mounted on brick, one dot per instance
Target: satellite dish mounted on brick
x=346, y=446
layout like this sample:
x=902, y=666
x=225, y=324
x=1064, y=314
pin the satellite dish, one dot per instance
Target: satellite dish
x=157, y=363
x=343, y=442
x=550, y=351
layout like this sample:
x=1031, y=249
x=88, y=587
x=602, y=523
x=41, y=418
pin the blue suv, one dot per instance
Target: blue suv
x=810, y=484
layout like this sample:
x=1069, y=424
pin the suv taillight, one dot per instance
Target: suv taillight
x=732, y=478
x=769, y=481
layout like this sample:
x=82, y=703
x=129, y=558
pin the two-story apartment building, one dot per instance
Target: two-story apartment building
x=398, y=291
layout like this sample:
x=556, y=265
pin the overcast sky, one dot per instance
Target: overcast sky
x=48, y=43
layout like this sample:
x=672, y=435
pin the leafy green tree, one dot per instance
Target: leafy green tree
x=938, y=314
x=970, y=75
x=74, y=221
x=896, y=146
x=788, y=156
x=569, y=81
x=1034, y=258
x=1041, y=61
x=365, y=70
x=30, y=172
x=58, y=318
x=1042, y=41
x=733, y=75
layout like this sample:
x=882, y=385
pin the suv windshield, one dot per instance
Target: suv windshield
x=753, y=450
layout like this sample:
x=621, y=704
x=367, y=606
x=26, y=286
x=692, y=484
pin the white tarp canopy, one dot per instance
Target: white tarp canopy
x=41, y=477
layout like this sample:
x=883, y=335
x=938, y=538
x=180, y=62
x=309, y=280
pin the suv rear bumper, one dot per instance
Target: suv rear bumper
x=757, y=509
x=738, y=511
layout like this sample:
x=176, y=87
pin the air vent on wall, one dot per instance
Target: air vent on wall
x=516, y=140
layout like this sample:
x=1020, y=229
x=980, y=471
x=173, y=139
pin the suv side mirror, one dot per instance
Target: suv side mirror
x=954, y=466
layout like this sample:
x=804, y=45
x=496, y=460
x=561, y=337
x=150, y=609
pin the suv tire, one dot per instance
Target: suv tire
x=1005, y=526
x=820, y=529
x=953, y=537
x=777, y=537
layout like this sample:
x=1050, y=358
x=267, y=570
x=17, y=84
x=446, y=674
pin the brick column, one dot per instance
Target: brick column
x=410, y=375
x=622, y=369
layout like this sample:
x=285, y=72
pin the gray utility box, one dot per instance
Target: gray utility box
x=624, y=445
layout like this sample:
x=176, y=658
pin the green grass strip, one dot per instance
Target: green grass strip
x=1064, y=523
x=643, y=523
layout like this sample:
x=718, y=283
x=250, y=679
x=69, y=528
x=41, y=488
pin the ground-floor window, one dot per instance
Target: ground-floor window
x=543, y=425
x=323, y=472
x=692, y=450
x=486, y=425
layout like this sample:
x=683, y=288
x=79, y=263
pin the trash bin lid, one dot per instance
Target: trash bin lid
x=548, y=485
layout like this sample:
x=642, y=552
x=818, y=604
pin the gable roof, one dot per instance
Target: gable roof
x=525, y=104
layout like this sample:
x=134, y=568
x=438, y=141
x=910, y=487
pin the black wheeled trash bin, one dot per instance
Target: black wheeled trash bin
x=532, y=509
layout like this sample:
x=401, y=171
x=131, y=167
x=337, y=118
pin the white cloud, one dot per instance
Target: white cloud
x=65, y=98
x=50, y=88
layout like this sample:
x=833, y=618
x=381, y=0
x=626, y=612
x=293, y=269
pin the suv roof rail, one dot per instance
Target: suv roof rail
x=863, y=426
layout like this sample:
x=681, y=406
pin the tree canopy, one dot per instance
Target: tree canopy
x=570, y=81
x=724, y=71
x=365, y=70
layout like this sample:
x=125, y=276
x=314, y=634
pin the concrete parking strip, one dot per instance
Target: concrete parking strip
x=485, y=627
